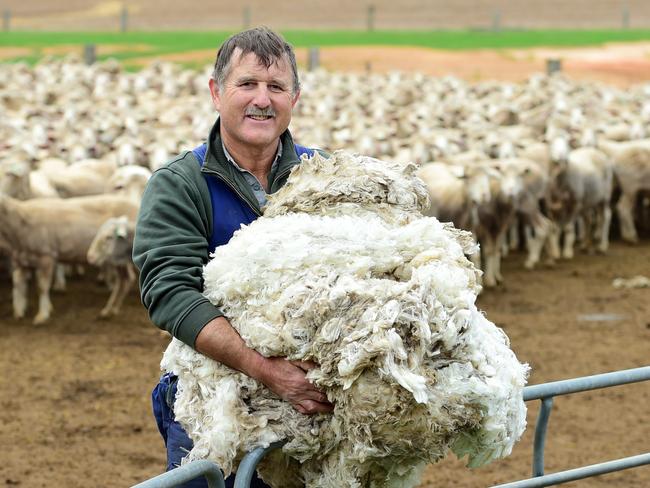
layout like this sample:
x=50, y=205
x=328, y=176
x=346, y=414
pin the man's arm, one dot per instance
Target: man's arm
x=170, y=249
x=221, y=342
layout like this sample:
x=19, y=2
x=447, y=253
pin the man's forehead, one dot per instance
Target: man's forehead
x=250, y=58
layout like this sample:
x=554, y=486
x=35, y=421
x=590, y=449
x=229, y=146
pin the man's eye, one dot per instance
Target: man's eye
x=276, y=88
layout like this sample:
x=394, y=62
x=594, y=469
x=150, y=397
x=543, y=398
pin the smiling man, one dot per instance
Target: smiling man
x=199, y=199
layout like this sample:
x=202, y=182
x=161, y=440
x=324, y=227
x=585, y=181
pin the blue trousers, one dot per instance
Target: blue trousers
x=177, y=441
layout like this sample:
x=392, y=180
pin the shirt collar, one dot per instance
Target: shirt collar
x=278, y=154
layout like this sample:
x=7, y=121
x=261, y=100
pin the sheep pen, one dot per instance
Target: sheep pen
x=88, y=383
x=344, y=270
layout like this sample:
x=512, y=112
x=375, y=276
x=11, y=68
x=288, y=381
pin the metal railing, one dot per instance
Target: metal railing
x=249, y=463
x=544, y=392
x=186, y=473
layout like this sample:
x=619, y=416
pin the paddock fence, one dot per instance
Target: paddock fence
x=483, y=15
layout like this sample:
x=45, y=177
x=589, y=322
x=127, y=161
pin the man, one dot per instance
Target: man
x=199, y=199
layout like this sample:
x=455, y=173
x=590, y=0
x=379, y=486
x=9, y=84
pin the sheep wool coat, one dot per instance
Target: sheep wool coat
x=343, y=270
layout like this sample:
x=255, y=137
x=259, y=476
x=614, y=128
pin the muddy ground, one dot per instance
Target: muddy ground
x=74, y=399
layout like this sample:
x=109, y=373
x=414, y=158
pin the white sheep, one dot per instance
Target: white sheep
x=344, y=270
x=111, y=250
x=41, y=232
x=632, y=169
x=581, y=189
x=129, y=180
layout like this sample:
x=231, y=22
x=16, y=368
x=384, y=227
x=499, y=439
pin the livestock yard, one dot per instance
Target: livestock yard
x=74, y=405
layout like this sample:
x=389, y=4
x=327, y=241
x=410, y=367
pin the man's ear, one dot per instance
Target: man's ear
x=295, y=99
x=214, y=92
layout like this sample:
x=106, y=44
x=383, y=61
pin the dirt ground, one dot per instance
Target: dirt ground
x=74, y=401
x=88, y=15
x=620, y=64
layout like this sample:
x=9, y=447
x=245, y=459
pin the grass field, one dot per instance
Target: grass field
x=158, y=43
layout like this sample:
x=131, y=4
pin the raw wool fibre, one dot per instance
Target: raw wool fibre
x=344, y=270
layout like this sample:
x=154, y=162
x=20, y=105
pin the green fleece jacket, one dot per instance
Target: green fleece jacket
x=173, y=230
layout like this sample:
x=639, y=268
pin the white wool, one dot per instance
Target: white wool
x=344, y=270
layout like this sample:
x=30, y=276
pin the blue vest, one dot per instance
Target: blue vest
x=229, y=212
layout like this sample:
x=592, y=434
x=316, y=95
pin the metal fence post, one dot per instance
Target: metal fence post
x=626, y=17
x=246, y=17
x=90, y=53
x=313, y=59
x=496, y=20
x=6, y=20
x=124, y=19
x=553, y=65
x=371, y=18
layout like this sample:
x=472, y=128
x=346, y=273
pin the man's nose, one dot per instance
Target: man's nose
x=262, y=98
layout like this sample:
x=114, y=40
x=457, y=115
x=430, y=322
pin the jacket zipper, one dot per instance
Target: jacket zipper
x=279, y=176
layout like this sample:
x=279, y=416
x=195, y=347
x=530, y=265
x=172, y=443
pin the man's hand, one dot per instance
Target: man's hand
x=287, y=380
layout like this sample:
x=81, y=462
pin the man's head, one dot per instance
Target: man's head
x=254, y=87
x=267, y=46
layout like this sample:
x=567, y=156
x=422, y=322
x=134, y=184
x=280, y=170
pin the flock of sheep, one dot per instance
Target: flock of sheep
x=542, y=158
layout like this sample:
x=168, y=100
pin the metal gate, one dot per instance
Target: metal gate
x=544, y=392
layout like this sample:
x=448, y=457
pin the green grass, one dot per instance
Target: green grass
x=177, y=42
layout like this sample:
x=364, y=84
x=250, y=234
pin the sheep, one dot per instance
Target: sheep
x=128, y=180
x=537, y=227
x=38, y=233
x=495, y=217
x=111, y=250
x=85, y=177
x=17, y=181
x=455, y=192
x=632, y=169
x=14, y=179
x=383, y=299
x=581, y=189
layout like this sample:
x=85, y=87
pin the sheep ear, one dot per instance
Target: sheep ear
x=120, y=231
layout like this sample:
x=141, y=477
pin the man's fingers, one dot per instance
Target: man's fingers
x=320, y=397
x=304, y=365
x=311, y=407
x=301, y=409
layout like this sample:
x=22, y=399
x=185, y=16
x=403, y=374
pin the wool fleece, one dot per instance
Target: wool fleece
x=343, y=270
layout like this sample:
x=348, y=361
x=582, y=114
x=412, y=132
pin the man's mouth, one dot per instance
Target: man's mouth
x=260, y=117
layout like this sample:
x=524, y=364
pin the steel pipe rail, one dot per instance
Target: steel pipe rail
x=580, y=473
x=249, y=463
x=545, y=392
x=185, y=473
x=585, y=383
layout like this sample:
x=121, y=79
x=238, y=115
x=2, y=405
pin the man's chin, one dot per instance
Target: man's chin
x=261, y=138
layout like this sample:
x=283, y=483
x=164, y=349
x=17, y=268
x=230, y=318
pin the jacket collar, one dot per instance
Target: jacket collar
x=215, y=159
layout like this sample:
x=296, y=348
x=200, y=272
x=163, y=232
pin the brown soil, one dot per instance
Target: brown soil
x=75, y=406
x=326, y=14
x=620, y=64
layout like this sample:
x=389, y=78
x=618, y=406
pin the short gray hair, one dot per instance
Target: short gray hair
x=268, y=46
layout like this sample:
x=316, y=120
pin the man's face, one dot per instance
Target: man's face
x=255, y=103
